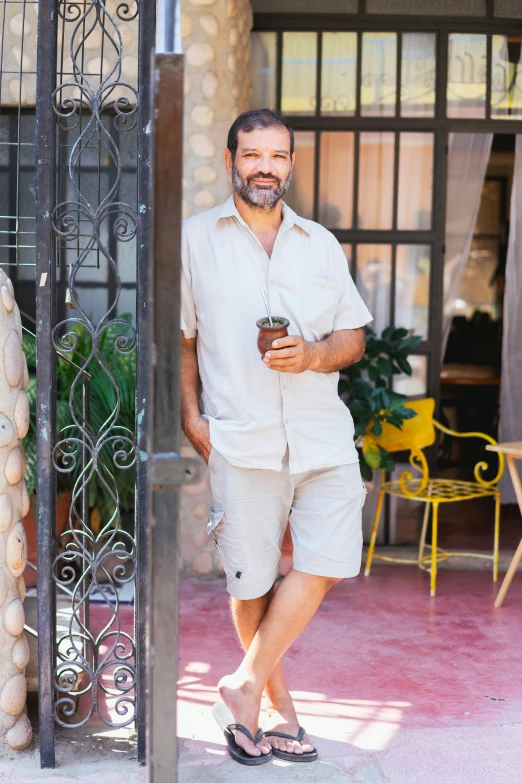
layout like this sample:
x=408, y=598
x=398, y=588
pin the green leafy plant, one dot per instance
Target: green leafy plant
x=103, y=402
x=365, y=388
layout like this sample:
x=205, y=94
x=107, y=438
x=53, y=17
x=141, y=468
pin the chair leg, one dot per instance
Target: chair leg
x=497, y=537
x=434, y=532
x=376, y=520
x=425, y=521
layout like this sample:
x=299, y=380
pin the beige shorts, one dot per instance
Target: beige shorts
x=250, y=511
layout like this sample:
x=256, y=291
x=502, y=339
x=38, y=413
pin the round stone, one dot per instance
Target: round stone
x=6, y=430
x=199, y=54
x=14, y=466
x=97, y=65
x=26, y=503
x=186, y=25
x=17, y=95
x=185, y=210
x=129, y=67
x=209, y=84
x=19, y=24
x=21, y=653
x=231, y=8
x=20, y=735
x=186, y=84
x=18, y=323
x=201, y=511
x=205, y=175
x=16, y=550
x=204, y=199
x=202, y=2
x=203, y=563
x=235, y=91
x=201, y=145
x=25, y=376
x=126, y=33
x=200, y=539
x=21, y=588
x=94, y=39
x=6, y=512
x=15, y=618
x=21, y=414
x=231, y=62
x=9, y=285
x=202, y=115
x=3, y=588
x=7, y=299
x=14, y=694
x=233, y=36
x=209, y=24
x=13, y=359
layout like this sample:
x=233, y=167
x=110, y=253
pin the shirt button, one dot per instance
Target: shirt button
x=284, y=386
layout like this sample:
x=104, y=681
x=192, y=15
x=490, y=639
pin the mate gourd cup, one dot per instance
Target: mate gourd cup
x=267, y=334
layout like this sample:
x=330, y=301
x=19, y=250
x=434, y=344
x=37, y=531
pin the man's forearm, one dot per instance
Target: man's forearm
x=339, y=350
x=189, y=381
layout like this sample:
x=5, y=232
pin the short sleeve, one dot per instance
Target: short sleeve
x=188, y=308
x=351, y=311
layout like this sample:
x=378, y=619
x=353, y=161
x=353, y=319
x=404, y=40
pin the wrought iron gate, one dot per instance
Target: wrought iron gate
x=93, y=226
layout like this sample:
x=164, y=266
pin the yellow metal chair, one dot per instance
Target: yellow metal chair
x=415, y=435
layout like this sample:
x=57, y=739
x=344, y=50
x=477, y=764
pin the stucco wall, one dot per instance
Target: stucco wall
x=216, y=42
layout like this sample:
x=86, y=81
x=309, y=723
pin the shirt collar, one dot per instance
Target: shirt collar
x=290, y=218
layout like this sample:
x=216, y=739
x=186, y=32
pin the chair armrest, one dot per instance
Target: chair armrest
x=480, y=466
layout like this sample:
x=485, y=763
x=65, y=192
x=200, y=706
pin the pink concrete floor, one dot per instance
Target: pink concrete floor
x=393, y=685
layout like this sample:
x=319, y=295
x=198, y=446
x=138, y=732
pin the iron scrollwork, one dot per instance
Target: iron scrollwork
x=99, y=665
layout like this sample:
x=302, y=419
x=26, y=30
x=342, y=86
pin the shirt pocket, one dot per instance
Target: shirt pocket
x=319, y=303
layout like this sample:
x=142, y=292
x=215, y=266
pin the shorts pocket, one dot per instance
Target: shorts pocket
x=319, y=303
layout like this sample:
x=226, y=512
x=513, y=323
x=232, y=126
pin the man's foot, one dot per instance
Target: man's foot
x=281, y=716
x=244, y=704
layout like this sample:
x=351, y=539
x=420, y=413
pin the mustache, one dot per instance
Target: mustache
x=260, y=175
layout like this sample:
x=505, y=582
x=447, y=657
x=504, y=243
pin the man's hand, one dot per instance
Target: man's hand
x=197, y=431
x=291, y=354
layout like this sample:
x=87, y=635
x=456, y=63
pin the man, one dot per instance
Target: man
x=276, y=436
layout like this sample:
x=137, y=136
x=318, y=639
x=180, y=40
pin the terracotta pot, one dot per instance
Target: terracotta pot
x=267, y=334
x=63, y=504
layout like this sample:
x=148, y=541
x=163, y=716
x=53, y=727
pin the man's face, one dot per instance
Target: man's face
x=262, y=166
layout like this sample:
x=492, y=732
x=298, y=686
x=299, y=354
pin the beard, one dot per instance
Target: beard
x=256, y=195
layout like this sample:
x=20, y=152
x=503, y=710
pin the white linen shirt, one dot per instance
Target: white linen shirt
x=254, y=412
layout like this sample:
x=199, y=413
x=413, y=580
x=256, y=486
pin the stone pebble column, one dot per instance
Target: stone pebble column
x=15, y=728
x=216, y=43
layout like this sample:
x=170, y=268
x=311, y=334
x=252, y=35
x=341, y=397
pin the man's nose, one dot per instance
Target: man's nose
x=265, y=164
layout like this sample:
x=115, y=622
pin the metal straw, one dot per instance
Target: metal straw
x=265, y=299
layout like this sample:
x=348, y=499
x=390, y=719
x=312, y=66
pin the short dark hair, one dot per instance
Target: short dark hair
x=257, y=118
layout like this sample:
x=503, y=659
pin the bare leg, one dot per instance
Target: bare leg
x=247, y=616
x=293, y=606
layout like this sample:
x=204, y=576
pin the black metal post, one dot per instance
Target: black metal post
x=143, y=363
x=45, y=399
x=166, y=430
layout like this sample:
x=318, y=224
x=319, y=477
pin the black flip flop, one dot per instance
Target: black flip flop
x=236, y=751
x=310, y=755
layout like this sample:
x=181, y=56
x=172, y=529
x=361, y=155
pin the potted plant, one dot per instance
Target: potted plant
x=365, y=388
x=102, y=403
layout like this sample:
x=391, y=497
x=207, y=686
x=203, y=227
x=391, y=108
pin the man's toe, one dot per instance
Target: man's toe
x=298, y=749
x=247, y=746
x=290, y=746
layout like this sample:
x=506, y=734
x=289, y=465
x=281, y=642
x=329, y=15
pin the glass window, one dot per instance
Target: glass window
x=338, y=74
x=379, y=74
x=506, y=77
x=301, y=191
x=416, y=384
x=299, y=73
x=263, y=60
x=466, y=93
x=415, y=181
x=412, y=287
x=375, y=197
x=373, y=279
x=336, y=180
x=418, y=75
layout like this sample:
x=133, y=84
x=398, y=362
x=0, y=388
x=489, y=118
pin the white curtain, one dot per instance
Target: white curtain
x=468, y=157
x=510, y=425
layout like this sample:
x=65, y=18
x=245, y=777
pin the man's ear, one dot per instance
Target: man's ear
x=227, y=155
